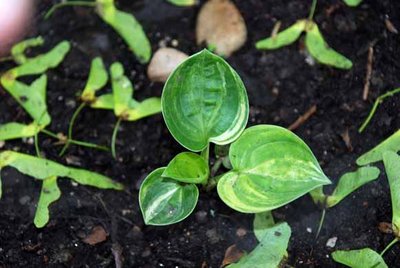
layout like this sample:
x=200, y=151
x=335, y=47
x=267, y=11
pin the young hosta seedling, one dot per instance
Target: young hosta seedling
x=271, y=250
x=314, y=41
x=166, y=201
x=31, y=97
x=360, y=258
x=271, y=167
x=123, y=23
x=48, y=171
x=391, y=144
x=203, y=101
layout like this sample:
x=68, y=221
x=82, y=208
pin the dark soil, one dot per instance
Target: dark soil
x=281, y=86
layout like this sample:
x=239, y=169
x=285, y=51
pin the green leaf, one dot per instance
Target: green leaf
x=284, y=38
x=105, y=101
x=145, y=108
x=352, y=3
x=392, y=164
x=48, y=195
x=41, y=63
x=361, y=258
x=97, y=79
x=271, y=167
x=128, y=28
x=271, y=250
x=204, y=100
x=42, y=169
x=122, y=90
x=165, y=201
x=390, y=144
x=187, y=167
x=18, y=50
x=31, y=97
x=262, y=223
x=350, y=182
x=182, y=2
x=320, y=50
x=14, y=130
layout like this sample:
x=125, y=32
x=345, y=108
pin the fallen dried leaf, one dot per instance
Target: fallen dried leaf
x=232, y=255
x=97, y=235
x=221, y=25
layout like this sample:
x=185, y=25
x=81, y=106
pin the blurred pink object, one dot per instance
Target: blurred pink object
x=15, y=16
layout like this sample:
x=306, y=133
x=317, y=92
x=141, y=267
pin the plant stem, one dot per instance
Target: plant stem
x=114, y=137
x=390, y=245
x=80, y=143
x=378, y=101
x=216, y=166
x=312, y=10
x=37, y=149
x=206, y=153
x=71, y=3
x=321, y=222
x=71, y=125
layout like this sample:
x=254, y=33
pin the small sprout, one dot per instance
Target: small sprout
x=361, y=258
x=203, y=101
x=314, y=41
x=271, y=250
x=182, y=2
x=165, y=201
x=352, y=3
x=391, y=144
x=262, y=223
x=123, y=23
x=188, y=168
x=48, y=171
x=97, y=79
x=392, y=164
x=271, y=167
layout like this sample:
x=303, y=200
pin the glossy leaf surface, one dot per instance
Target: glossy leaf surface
x=361, y=258
x=97, y=79
x=320, y=50
x=352, y=3
x=350, y=182
x=14, y=130
x=204, y=100
x=392, y=167
x=270, y=251
x=376, y=154
x=262, y=223
x=128, y=28
x=187, y=167
x=271, y=167
x=48, y=195
x=284, y=38
x=18, y=50
x=165, y=201
x=42, y=169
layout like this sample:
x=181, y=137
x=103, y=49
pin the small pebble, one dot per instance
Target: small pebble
x=201, y=216
x=309, y=230
x=331, y=243
x=24, y=200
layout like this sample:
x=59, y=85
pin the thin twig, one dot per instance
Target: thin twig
x=70, y=127
x=369, y=73
x=114, y=138
x=303, y=118
x=389, y=246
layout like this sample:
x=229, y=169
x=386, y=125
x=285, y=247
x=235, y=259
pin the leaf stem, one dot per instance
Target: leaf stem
x=378, y=101
x=114, y=137
x=37, y=149
x=71, y=125
x=312, y=10
x=71, y=3
x=390, y=245
x=321, y=222
x=206, y=153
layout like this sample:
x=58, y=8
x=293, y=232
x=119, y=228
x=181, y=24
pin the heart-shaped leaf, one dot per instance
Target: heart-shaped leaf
x=271, y=167
x=204, y=100
x=165, y=201
x=187, y=167
x=320, y=50
x=284, y=38
x=360, y=258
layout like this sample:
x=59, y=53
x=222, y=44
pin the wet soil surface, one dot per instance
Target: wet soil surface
x=282, y=85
